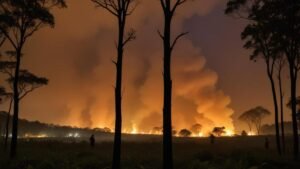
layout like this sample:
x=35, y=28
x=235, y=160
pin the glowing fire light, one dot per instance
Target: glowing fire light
x=134, y=129
x=250, y=133
x=229, y=133
x=75, y=135
x=200, y=134
x=35, y=136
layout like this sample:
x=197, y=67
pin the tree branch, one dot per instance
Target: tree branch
x=130, y=37
x=177, y=4
x=160, y=35
x=109, y=5
x=177, y=38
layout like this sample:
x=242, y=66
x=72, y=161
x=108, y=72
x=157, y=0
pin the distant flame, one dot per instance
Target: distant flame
x=250, y=133
x=200, y=134
x=35, y=136
x=134, y=129
x=229, y=133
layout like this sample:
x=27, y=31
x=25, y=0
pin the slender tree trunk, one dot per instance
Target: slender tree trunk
x=13, y=148
x=276, y=113
x=281, y=111
x=167, y=105
x=7, y=125
x=294, y=112
x=118, y=98
x=292, y=59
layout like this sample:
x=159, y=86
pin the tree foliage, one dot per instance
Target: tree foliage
x=196, y=128
x=255, y=116
x=185, y=133
x=219, y=131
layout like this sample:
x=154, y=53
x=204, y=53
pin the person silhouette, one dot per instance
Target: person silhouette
x=212, y=138
x=92, y=140
x=267, y=143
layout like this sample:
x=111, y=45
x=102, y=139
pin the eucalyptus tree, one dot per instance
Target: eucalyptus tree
x=282, y=17
x=255, y=116
x=28, y=82
x=21, y=19
x=120, y=9
x=286, y=17
x=259, y=37
x=169, y=8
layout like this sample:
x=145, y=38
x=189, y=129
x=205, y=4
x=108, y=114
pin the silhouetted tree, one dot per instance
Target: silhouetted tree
x=121, y=9
x=7, y=66
x=4, y=95
x=28, y=82
x=169, y=7
x=280, y=65
x=196, y=128
x=258, y=36
x=219, y=131
x=255, y=117
x=247, y=120
x=185, y=133
x=157, y=130
x=286, y=15
x=244, y=133
x=23, y=18
x=289, y=105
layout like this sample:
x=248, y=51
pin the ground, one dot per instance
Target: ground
x=145, y=152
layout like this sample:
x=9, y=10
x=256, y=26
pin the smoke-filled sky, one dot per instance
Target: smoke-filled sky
x=214, y=80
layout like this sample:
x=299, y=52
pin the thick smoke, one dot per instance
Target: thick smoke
x=76, y=57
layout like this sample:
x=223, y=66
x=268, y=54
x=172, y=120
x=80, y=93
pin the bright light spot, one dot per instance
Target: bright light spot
x=134, y=129
x=229, y=133
x=74, y=135
x=250, y=133
x=200, y=134
x=35, y=136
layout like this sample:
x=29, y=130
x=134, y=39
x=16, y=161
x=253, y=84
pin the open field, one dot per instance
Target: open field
x=144, y=152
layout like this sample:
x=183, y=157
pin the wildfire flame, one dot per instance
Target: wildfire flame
x=229, y=133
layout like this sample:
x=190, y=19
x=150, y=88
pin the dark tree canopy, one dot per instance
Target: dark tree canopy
x=219, y=131
x=255, y=116
x=25, y=17
x=28, y=82
x=4, y=95
x=185, y=133
x=196, y=128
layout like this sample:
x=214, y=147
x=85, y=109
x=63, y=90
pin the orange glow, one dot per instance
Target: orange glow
x=35, y=136
x=229, y=133
x=250, y=133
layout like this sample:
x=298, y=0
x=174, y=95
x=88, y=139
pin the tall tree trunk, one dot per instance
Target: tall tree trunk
x=7, y=125
x=118, y=98
x=276, y=113
x=294, y=112
x=292, y=59
x=167, y=105
x=13, y=148
x=281, y=110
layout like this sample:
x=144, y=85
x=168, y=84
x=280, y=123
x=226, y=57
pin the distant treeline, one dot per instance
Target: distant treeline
x=269, y=129
x=36, y=128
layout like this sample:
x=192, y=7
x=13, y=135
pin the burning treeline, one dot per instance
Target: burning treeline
x=195, y=96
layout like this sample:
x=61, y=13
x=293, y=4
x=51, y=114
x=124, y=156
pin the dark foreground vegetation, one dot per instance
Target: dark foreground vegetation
x=145, y=153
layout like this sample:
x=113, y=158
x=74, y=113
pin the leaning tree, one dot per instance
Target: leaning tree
x=120, y=9
x=169, y=8
x=20, y=19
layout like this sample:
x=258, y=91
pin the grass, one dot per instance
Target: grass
x=144, y=152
